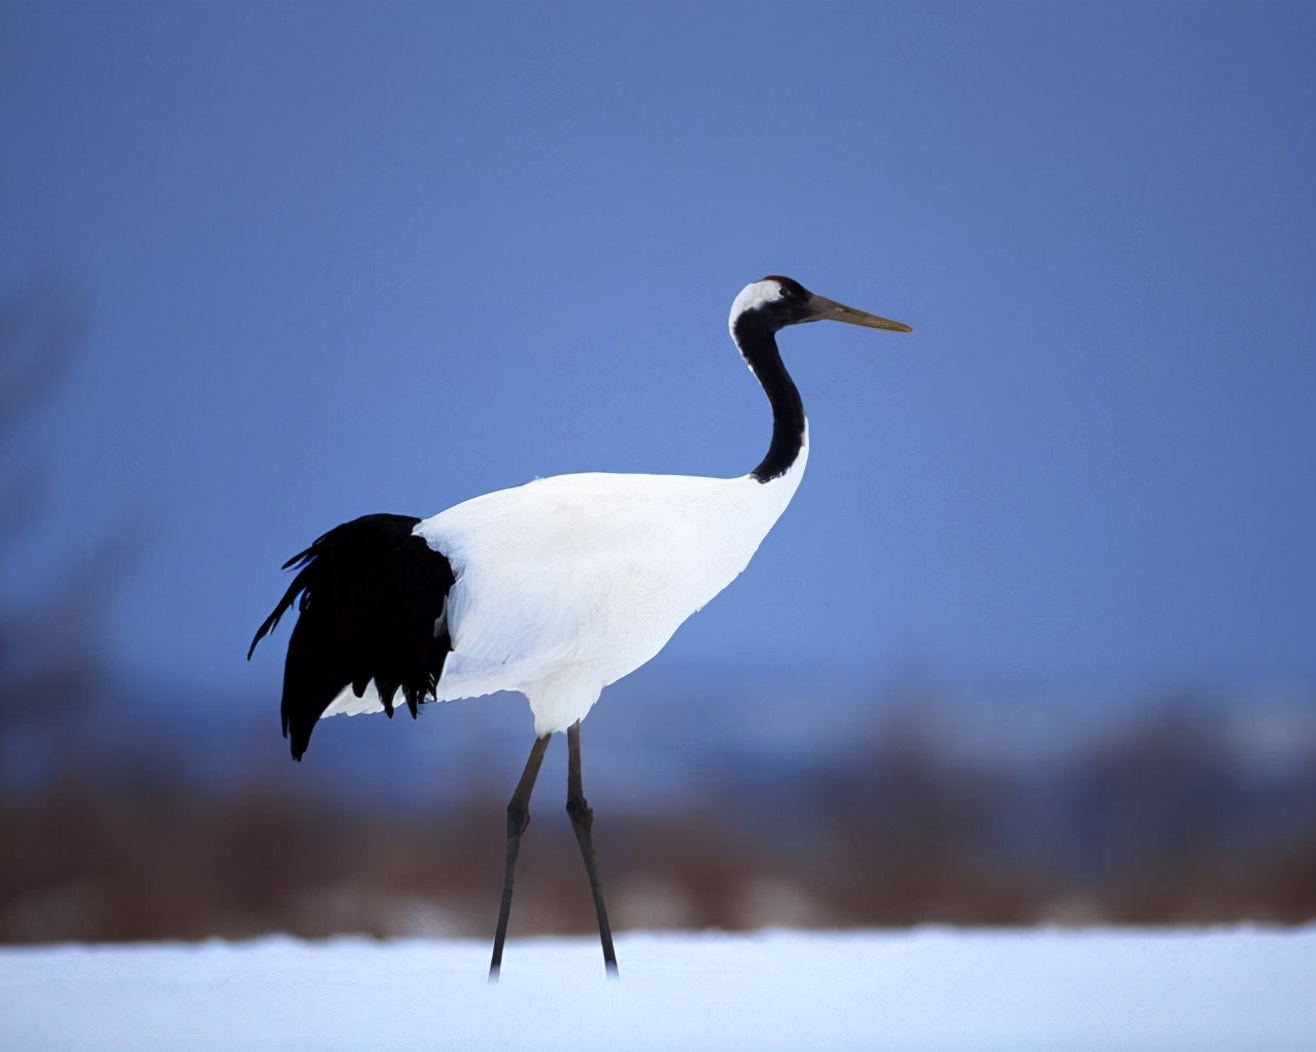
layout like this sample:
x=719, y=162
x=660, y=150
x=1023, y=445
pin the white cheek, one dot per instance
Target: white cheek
x=752, y=297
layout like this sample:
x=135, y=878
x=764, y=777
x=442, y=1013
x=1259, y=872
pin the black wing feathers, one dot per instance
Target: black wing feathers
x=373, y=607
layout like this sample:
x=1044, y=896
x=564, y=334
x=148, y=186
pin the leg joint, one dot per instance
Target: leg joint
x=580, y=811
x=518, y=818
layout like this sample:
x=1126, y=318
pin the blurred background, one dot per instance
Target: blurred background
x=1036, y=642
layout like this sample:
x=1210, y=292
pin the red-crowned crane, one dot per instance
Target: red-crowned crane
x=554, y=589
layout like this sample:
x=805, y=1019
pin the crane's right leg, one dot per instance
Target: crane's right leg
x=582, y=820
x=518, y=817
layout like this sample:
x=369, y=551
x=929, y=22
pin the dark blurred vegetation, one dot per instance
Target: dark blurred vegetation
x=1155, y=826
x=43, y=642
x=1162, y=819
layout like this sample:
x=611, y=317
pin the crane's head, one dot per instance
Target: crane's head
x=776, y=302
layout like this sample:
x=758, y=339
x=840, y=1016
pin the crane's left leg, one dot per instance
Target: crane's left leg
x=582, y=819
x=518, y=817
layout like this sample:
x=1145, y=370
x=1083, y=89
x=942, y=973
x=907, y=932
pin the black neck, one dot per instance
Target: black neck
x=758, y=343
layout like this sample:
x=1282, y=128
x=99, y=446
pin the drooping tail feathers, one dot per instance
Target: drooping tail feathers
x=373, y=607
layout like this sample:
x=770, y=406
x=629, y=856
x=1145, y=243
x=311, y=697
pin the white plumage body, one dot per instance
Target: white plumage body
x=567, y=584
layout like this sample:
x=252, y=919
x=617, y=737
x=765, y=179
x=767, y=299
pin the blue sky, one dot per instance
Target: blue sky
x=340, y=259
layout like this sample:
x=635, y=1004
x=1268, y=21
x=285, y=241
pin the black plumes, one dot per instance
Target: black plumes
x=373, y=607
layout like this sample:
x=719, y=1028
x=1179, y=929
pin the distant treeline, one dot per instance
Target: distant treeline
x=1160, y=825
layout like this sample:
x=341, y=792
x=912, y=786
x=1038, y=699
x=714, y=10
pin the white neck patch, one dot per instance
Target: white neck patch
x=751, y=297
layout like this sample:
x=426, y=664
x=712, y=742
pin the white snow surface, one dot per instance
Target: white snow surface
x=926, y=989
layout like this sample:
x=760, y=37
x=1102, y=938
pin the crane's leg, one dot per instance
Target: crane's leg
x=518, y=817
x=582, y=819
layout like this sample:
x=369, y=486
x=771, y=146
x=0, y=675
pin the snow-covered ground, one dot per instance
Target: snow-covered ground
x=1237, y=989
